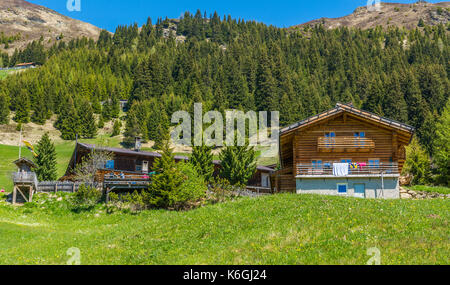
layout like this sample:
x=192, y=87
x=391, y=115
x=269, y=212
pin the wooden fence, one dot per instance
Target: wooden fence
x=58, y=186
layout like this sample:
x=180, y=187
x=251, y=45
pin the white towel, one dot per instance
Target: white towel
x=340, y=169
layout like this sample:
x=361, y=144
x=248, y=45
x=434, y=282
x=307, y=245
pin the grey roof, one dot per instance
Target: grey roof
x=129, y=151
x=349, y=108
x=26, y=161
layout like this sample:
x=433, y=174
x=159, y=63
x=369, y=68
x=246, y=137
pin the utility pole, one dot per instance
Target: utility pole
x=20, y=141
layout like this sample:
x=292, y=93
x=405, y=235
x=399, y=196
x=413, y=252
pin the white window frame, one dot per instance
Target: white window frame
x=340, y=184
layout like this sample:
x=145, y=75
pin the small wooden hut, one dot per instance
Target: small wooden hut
x=25, y=180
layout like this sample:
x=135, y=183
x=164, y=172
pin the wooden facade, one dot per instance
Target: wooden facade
x=343, y=134
x=131, y=163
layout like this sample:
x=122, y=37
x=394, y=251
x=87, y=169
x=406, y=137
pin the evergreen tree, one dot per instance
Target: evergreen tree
x=417, y=163
x=238, y=164
x=88, y=125
x=116, y=128
x=167, y=179
x=4, y=108
x=442, y=146
x=46, y=159
x=202, y=160
x=22, y=107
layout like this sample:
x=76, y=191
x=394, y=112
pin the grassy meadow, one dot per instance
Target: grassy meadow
x=279, y=229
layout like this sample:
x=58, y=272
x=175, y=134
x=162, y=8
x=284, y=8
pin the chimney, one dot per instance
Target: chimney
x=137, y=144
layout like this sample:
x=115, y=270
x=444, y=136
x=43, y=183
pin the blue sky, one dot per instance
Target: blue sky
x=108, y=14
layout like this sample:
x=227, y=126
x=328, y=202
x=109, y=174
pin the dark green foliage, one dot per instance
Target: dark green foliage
x=87, y=124
x=4, y=108
x=46, y=159
x=202, y=160
x=85, y=198
x=417, y=164
x=167, y=181
x=238, y=164
x=68, y=121
x=22, y=107
x=442, y=146
x=116, y=128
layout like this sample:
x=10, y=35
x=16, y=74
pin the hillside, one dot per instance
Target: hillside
x=33, y=21
x=279, y=229
x=391, y=14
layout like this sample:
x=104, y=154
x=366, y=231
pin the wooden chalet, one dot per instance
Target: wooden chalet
x=131, y=169
x=314, y=154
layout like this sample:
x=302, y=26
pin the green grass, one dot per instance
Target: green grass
x=279, y=229
x=3, y=74
x=431, y=189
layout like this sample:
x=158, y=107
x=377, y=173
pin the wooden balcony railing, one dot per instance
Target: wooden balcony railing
x=345, y=144
x=310, y=169
x=25, y=178
x=126, y=180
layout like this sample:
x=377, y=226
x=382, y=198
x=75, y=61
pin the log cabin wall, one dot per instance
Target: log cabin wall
x=301, y=146
x=306, y=142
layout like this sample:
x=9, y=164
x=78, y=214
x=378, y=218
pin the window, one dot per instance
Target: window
x=359, y=136
x=374, y=163
x=330, y=138
x=342, y=188
x=109, y=164
x=317, y=164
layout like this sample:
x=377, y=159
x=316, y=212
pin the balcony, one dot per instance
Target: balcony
x=29, y=178
x=322, y=170
x=345, y=144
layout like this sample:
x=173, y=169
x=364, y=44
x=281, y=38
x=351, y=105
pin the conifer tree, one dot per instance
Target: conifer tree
x=22, y=107
x=442, y=146
x=238, y=163
x=167, y=179
x=46, y=159
x=4, y=108
x=202, y=160
x=88, y=125
x=116, y=128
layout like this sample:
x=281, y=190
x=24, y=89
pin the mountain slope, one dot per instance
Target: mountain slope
x=390, y=14
x=33, y=21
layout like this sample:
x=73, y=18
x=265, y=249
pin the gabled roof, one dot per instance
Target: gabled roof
x=341, y=108
x=128, y=151
x=25, y=161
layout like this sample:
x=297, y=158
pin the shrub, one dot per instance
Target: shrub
x=417, y=163
x=220, y=190
x=191, y=191
x=85, y=198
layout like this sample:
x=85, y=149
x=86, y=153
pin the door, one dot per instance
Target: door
x=360, y=190
x=145, y=166
x=265, y=180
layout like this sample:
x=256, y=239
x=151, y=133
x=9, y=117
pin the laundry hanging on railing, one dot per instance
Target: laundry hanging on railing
x=340, y=169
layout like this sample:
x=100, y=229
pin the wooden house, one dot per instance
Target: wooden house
x=129, y=167
x=343, y=151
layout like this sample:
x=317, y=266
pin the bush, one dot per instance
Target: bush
x=220, y=190
x=191, y=191
x=85, y=198
x=417, y=164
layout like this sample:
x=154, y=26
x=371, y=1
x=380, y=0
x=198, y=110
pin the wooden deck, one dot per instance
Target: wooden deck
x=345, y=144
